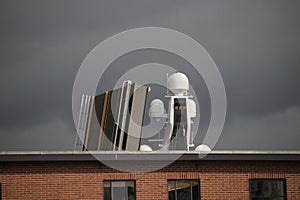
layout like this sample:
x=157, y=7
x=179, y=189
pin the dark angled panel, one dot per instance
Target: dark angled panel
x=110, y=119
x=112, y=115
x=94, y=125
x=103, y=119
x=99, y=101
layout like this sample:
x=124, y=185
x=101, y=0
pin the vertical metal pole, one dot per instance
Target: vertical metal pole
x=79, y=122
x=89, y=124
x=191, y=188
x=167, y=84
x=124, y=115
x=118, y=117
x=175, y=190
x=85, y=117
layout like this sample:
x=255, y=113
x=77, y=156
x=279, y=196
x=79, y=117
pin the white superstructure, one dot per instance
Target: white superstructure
x=181, y=110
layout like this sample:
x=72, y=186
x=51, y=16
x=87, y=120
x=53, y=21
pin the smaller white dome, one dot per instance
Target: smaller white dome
x=203, y=147
x=145, y=148
x=192, y=108
x=178, y=83
x=156, y=108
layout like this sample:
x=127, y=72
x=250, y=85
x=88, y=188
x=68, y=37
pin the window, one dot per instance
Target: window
x=267, y=189
x=183, y=189
x=119, y=190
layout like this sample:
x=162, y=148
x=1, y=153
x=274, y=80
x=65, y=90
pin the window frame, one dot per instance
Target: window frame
x=268, y=179
x=110, y=181
x=190, y=180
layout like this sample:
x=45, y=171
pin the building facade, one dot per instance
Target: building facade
x=219, y=175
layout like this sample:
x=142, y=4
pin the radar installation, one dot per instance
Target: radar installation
x=113, y=121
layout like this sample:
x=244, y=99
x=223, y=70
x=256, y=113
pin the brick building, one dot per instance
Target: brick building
x=219, y=175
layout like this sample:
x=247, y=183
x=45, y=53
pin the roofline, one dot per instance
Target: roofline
x=239, y=155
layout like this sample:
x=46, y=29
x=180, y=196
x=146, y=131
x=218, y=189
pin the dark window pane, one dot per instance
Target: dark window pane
x=131, y=190
x=171, y=185
x=107, y=191
x=195, y=189
x=267, y=189
x=183, y=190
x=172, y=195
x=119, y=190
x=171, y=190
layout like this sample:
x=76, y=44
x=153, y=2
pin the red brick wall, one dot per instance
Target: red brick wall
x=83, y=180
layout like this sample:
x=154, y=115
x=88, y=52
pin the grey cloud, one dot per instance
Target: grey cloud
x=54, y=134
x=275, y=131
x=255, y=44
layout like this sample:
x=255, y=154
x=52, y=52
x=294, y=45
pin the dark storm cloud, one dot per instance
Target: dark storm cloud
x=277, y=130
x=42, y=46
x=255, y=44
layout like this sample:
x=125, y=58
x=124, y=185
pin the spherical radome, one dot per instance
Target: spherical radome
x=178, y=83
x=203, y=147
x=145, y=148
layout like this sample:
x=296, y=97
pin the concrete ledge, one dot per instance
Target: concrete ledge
x=15, y=156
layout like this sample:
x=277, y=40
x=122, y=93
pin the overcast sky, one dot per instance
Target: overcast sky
x=255, y=44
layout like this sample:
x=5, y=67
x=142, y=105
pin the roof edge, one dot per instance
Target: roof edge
x=7, y=156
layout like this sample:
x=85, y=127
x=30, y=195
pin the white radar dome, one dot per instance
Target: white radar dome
x=145, y=148
x=178, y=83
x=157, y=108
x=203, y=147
